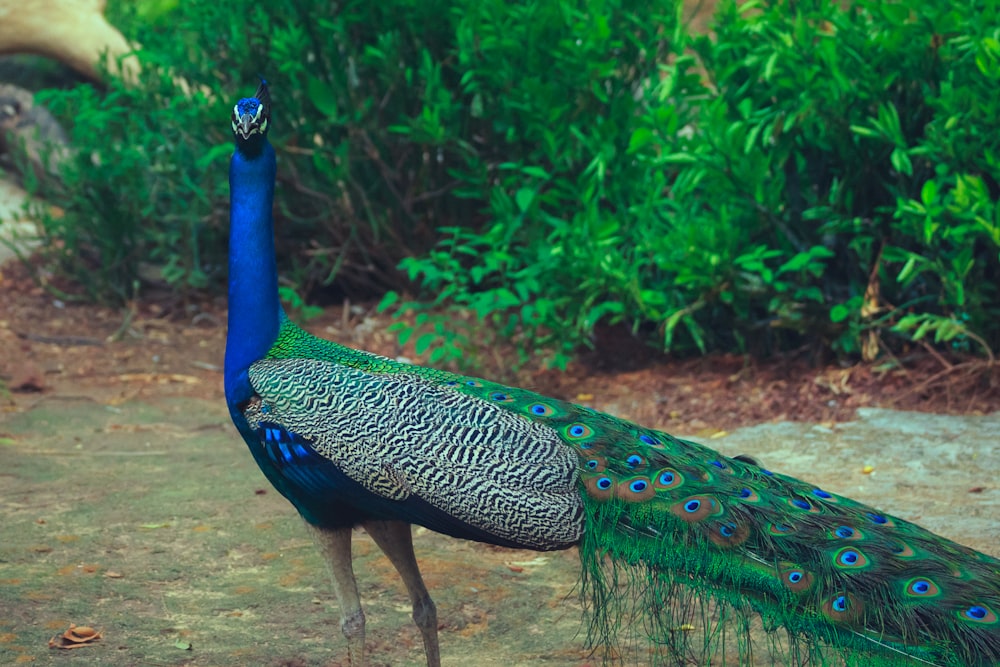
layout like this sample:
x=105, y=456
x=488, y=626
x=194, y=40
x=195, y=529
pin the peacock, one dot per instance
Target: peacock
x=670, y=533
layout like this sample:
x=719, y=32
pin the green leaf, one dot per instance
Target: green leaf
x=679, y=158
x=863, y=131
x=901, y=161
x=650, y=297
x=405, y=333
x=536, y=172
x=504, y=298
x=423, y=342
x=524, y=197
x=839, y=313
x=908, y=269
x=928, y=193
x=895, y=14
x=640, y=137
x=322, y=97
x=926, y=326
x=387, y=301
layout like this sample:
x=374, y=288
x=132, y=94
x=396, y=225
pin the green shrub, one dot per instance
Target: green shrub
x=145, y=195
x=558, y=101
x=810, y=173
x=859, y=144
x=832, y=178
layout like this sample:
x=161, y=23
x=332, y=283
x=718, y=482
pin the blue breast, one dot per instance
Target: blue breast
x=296, y=460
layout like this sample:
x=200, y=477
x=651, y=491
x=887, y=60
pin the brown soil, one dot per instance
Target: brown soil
x=165, y=348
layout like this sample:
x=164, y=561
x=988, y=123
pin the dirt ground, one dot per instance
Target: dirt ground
x=129, y=504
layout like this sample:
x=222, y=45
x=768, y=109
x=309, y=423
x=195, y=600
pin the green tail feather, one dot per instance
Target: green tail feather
x=717, y=559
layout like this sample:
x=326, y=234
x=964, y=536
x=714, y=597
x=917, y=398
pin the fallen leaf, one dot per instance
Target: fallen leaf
x=76, y=637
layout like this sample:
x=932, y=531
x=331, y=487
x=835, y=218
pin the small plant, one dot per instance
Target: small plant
x=294, y=302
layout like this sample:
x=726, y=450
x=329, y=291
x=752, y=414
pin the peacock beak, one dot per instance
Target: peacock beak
x=245, y=125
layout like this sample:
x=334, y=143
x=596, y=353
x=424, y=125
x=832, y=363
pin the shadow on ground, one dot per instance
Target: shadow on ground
x=152, y=523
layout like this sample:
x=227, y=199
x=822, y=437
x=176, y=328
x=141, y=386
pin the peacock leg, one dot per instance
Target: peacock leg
x=335, y=545
x=396, y=541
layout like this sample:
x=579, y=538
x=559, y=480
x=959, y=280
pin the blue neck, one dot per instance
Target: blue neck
x=254, y=310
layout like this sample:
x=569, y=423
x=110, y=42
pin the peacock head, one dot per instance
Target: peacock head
x=251, y=119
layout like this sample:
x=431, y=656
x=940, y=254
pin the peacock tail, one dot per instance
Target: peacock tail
x=671, y=533
x=702, y=553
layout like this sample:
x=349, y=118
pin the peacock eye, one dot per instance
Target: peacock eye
x=976, y=612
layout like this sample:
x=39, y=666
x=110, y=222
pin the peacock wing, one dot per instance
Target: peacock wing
x=403, y=437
